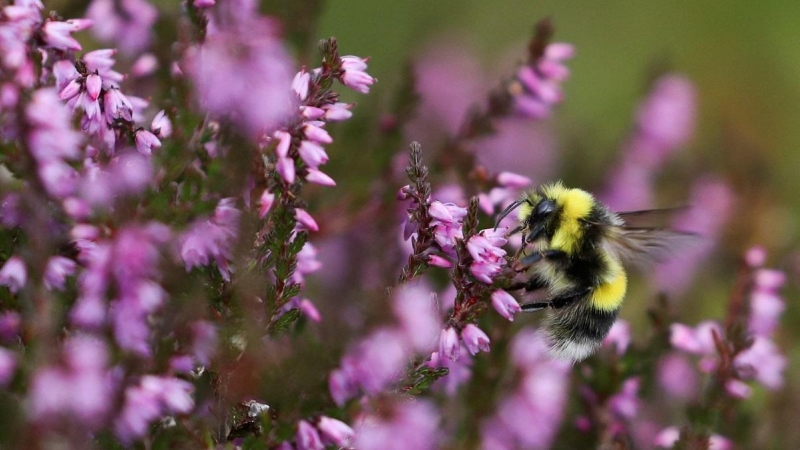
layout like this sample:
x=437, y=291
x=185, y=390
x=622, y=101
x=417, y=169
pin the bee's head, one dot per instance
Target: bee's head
x=552, y=210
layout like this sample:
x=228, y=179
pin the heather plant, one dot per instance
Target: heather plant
x=181, y=267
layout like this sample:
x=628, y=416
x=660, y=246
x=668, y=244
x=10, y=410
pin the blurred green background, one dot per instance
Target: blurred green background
x=743, y=56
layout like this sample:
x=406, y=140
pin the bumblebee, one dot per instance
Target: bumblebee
x=574, y=247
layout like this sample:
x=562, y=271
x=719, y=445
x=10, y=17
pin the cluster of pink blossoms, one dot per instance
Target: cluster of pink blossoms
x=539, y=82
x=762, y=360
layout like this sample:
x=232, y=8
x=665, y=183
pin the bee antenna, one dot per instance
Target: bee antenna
x=508, y=211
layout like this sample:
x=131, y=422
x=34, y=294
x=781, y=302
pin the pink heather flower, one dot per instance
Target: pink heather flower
x=161, y=125
x=8, y=364
x=82, y=391
x=446, y=224
x=57, y=35
x=738, y=389
x=284, y=142
x=117, y=106
x=540, y=396
x=762, y=362
x=131, y=172
x=675, y=275
x=130, y=313
x=313, y=154
x=449, y=344
x=13, y=274
x=304, y=218
x=286, y=169
x=307, y=437
x=204, y=3
x=669, y=436
x=145, y=65
x=488, y=259
x=626, y=403
x=698, y=340
x=317, y=134
x=52, y=137
x=265, y=203
x=204, y=341
x=93, y=85
x=335, y=431
x=475, y=339
x=619, y=336
x=766, y=305
x=212, y=240
x=300, y=84
x=354, y=74
x=341, y=386
x=755, y=257
x=380, y=360
x=151, y=399
x=513, y=180
x=146, y=142
x=320, y=178
x=415, y=307
x=668, y=115
x=412, y=424
x=665, y=121
x=57, y=270
x=338, y=112
x=307, y=262
x=438, y=261
x=459, y=371
x=678, y=377
x=242, y=72
x=126, y=23
x=506, y=305
x=10, y=325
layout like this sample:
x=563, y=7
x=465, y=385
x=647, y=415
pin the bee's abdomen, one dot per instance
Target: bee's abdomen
x=579, y=331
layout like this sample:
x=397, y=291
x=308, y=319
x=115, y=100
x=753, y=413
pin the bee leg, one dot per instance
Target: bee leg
x=532, y=307
x=550, y=255
x=567, y=299
x=531, y=285
x=556, y=302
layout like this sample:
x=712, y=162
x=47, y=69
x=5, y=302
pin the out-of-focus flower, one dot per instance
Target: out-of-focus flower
x=459, y=371
x=766, y=304
x=619, y=336
x=540, y=397
x=152, y=398
x=307, y=437
x=13, y=274
x=127, y=23
x=664, y=123
x=242, y=72
x=305, y=219
x=539, y=82
x=8, y=364
x=625, y=403
x=677, y=376
x=668, y=437
x=370, y=366
x=81, y=391
x=212, y=239
x=762, y=362
x=10, y=325
x=57, y=270
x=415, y=308
x=474, y=339
x=335, y=431
x=716, y=197
x=416, y=421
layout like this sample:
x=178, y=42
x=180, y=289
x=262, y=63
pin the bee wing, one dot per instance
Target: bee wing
x=643, y=247
x=650, y=218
